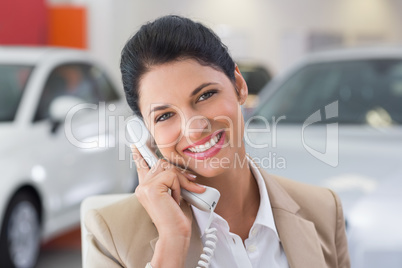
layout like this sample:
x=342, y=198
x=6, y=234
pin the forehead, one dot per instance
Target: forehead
x=173, y=82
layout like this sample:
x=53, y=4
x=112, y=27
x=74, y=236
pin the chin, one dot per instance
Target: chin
x=212, y=167
x=210, y=172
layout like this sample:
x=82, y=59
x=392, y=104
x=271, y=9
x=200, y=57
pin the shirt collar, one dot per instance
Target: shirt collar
x=264, y=215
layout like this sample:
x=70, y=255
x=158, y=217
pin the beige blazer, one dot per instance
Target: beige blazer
x=309, y=221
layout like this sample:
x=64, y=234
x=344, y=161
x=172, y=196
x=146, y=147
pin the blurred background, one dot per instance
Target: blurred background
x=266, y=38
x=272, y=33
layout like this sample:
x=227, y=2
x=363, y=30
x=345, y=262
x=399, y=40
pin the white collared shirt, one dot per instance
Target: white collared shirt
x=262, y=248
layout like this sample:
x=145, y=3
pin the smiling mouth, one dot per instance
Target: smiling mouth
x=206, y=146
x=209, y=149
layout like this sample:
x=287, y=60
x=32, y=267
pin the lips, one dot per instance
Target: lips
x=206, y=147
x=203, y=147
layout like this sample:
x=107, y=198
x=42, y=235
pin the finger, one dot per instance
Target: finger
x=158, y=167
x=189, y=176
x=168, y=165
x=187, y=181
x=175, y=189
x=163, y=182
x=187, y=173
x=187, y=184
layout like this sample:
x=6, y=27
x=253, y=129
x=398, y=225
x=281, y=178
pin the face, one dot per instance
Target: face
x=193, y=112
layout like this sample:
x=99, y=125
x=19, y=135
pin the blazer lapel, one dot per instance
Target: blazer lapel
x=195, y=249
x=298, y=236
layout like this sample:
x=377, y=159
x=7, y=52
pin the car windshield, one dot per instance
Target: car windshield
x=13, y=79
x=367, y=91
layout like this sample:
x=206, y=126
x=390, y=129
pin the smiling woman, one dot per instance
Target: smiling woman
x=209, y=104
x=180, y=79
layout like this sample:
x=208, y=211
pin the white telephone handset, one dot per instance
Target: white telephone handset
x=142, y=140
x=206, y=201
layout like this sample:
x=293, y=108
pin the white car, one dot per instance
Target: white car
x=334, y=120
x=60, y=116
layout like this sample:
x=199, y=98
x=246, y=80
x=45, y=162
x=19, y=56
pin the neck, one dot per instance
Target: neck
x=240, y=198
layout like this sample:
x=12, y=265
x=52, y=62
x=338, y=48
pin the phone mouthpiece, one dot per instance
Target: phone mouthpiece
x=205, y=201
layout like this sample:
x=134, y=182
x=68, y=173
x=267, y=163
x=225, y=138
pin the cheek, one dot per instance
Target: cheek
x=232, y=118
x=166, y=135
x=230, y=114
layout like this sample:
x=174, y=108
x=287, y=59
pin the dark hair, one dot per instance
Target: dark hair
x=168, y=39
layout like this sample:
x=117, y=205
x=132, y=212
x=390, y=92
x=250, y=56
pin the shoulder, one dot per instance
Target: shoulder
x=323, y=207
x=316, y=204
x=116, y=215
x=307, y=196
x=114, y=229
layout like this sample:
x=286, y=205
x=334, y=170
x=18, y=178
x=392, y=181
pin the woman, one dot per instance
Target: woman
x=180, y=79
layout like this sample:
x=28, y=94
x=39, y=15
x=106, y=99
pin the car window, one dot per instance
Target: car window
x=106, y=91
x=256, y=77
x=367, y=91
x=13, y=79
x=84, y=81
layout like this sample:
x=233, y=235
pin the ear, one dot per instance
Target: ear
x=241, y=86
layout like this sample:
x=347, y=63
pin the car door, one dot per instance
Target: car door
x=75, y=153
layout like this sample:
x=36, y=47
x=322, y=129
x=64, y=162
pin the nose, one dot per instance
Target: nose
x=196, y=126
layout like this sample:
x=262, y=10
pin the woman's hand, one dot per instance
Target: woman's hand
x=173, y=226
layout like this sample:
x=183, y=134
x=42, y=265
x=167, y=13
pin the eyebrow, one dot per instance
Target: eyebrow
x=195, y=92
x=158, y=108
x=200, y=87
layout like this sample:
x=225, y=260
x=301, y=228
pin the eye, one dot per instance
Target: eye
x=207, y=95
x=164, y=117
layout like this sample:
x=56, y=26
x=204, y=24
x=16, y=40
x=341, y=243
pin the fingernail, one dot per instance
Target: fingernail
x=200, y=185
x=191, y=177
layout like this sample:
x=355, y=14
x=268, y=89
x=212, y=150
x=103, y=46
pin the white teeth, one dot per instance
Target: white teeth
x=206, y=146
x=212, y=142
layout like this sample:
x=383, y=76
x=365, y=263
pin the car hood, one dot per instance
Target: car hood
x=377, y=214
x=369, y=211
x=355, y=162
